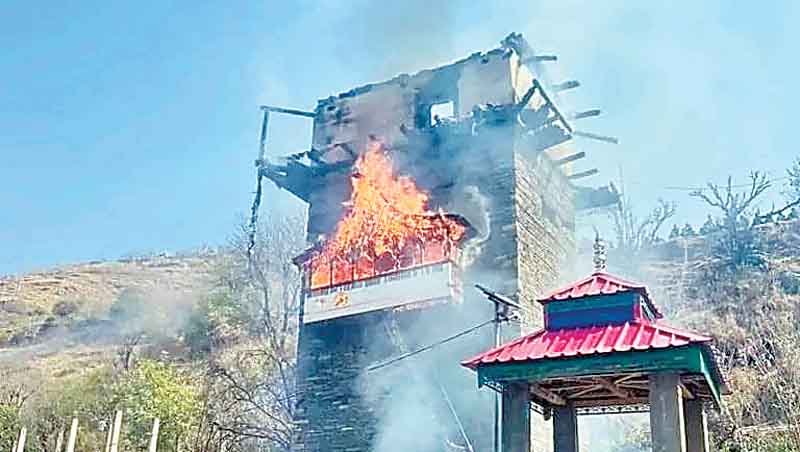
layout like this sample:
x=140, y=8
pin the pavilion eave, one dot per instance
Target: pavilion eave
x=619, y=378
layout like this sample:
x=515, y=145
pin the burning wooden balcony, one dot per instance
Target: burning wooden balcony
x=386, y=235
x=421, y=274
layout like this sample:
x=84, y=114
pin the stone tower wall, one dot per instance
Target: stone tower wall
x=530, y=235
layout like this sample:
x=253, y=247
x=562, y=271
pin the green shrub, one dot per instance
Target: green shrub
x=158, y=390
x=10, y=424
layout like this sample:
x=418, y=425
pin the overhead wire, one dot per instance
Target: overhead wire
x=427, y=347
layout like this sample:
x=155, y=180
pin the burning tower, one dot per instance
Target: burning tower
x=418, y=187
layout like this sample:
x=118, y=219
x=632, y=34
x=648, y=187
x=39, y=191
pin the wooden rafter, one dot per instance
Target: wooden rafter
x=688, y=393
x=625, y=378
x=610, y=402
x=588, y=390
x=548, y=395
x=575, y=387
x=583, y=174
x=570, y=158
x=612, y=387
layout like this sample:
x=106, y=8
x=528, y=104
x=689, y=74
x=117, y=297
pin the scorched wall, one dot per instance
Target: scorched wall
x=480, y=162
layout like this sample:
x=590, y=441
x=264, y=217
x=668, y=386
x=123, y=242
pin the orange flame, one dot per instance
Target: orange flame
x=386, y=226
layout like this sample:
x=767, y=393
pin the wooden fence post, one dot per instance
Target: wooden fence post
x=115, y=432
x=154, y=436
x=60, y=439
x=20, y=444
x=73, y=434
x=109, y=433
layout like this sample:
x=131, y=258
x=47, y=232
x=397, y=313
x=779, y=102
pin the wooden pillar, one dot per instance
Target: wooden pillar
x=565, y=429
x=154, y=436
x=666, y=413
x=73, y=435
x=696, y=426
x=115, y=432
x=516, y=421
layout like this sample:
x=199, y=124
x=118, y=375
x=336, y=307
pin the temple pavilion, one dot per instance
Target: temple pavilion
x=604, y=345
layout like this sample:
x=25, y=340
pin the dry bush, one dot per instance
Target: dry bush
x=755, y=324
x=794, y=181
x=250, y=335
x=634, y=234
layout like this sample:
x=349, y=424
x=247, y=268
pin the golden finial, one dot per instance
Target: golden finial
x=600, y=259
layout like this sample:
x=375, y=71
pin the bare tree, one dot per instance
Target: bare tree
x=253, y=376
x=794, y=181
x=126, y=352
x=14, y=393
x=737, y=243
x=634, y=234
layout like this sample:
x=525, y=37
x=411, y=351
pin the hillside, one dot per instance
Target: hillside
x=48, y=316
x=70, y=321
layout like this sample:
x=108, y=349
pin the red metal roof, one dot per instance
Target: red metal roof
x=629, y=336
x=598, y=283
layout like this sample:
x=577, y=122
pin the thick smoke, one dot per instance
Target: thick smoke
x=154, y=314
x=404, y=29
x=425, y=400
x=474, y=207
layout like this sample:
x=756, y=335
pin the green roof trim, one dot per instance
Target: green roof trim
x=591, y=302
x=689, y=359
x=590, y=311
x=709, y=372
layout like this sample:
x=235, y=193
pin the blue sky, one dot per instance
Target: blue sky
x=130, y=127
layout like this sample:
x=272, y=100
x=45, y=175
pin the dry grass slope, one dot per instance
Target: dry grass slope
x=34, y=307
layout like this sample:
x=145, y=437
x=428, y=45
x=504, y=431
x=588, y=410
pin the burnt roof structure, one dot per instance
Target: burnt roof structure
x=484, y=138
x=485, y=91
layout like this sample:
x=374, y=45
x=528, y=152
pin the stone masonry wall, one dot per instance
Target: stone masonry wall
x=344, y=407
x=331, y=414
x=545, y=231
x=530, y=236
x=546, y=242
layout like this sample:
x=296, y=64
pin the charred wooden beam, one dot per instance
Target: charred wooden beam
x=687, y=393
x=538, y=59
x=289, y=111
x=610, y=402
x=547, y=395
x=594, y=136
x=574, y=387
x=526, y=98
x=552, y=105
x=569, y=84
x=628, y=377
x=262, y=145
x=588, y=390
x=516, y=42
x=570, y=158
x=586, y=114
x=583, y=174
x=611, y=387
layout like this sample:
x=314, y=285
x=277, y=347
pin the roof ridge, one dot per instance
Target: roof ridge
x=566, y=292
